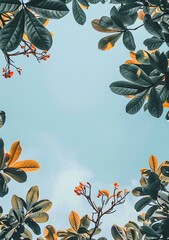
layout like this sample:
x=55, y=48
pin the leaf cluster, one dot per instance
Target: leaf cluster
x=24, y=213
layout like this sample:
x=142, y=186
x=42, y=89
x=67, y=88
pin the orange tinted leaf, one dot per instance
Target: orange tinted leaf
x=50, y=233
x=74, y=220
x=97, y=27
x=153, y=163
x=132, y=62
x=15, y=152
x=140, y=15
x=27, y=165
x=25, y=37
x=158, y=171
x=104, y=192
x=143, y=171
x=84, y=7
x=119, y=193
x=166, y=104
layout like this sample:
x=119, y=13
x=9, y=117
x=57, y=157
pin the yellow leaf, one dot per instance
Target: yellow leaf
x=15, y=152
x=153, y=163
x=158, y=171
x=143, y=182
x=27, y=165
x=25, y=37
x=50, y=233
x=132, y=62
x=108, y=46
x=143, y=171
x=74, y=220
x=84, y=7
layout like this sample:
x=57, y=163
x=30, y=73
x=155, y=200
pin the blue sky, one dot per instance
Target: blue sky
x=67, y=119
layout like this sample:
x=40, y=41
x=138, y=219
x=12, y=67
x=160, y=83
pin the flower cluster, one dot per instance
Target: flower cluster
x=7, y=73
x=80, y=189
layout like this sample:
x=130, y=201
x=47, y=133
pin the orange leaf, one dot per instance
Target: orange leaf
x=15, y=152
x=27, y=165
x=97, y=27
x=83, y=6
x=141, y=15
x=166, y=104
x=50, y=233
x=74, y=220
x=153, y=163
x=158, y=171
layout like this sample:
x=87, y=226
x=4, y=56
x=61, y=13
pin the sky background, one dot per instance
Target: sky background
x=66, y=118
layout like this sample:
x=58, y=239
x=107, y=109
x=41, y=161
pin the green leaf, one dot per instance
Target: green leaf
x=155, y=106
x=16, y=173
x=84, y=3
x=149, y=231
x=96, y=25
x=39, y=217
x=108, y=42
x=116, y=18
x=163, y=62
x=11, y=34
x=85, y=221
x=33, y=225
x=3, y=186
x=130, y=8
x=128, y=41
x=153, y=43
x=135, y=74
x=26, y=234
x=36, y=32
x=32, y=196
x=150, y=211
x=82, y=230
x=43, y=206
x=164, y=93
x=18, y=207
x=136, y=103
x=2, y=118
x=125, y=88
x=118, y=232
x=152, y=27
x=106, y=22
x=9, y=5
x=142, y=203
x=137, y=192
x=49, y=8
x=165, y=171
x=131, y=234
x=97, y=231
x=78, y=13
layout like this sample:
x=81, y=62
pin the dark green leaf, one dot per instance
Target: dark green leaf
x=3, y=186
x=16, y=173
x=154, y=62
x=11, y=34
x=153, y=43
x=2, y=118
x=165, y=171
x=78, y=13
x=136, y=103
x=18, y=207
x=36, y=32
x=152, y=27
x=109, y=41
x=9, y=5
x=49, y=9
x=33, y=225
x=135, y=74
x=130, y=8
x=128, y=20
x=126, y=88
x=116, y=18
x=149, y=231
x=84, y=3
x=82, y=230
x=155, y=106
x=1, y=153
x=32, y=196
x=106, y=22
x=150, y=211
x=138, y=192
x=164, y=94
x=128, y=41
x=163, y=62
x=142, y=203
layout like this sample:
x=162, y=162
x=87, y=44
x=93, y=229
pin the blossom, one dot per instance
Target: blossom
x=78, y=190
x=7, y=73
x=115, y=184
x=103, y=193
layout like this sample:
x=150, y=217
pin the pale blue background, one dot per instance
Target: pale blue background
x=67, y=119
